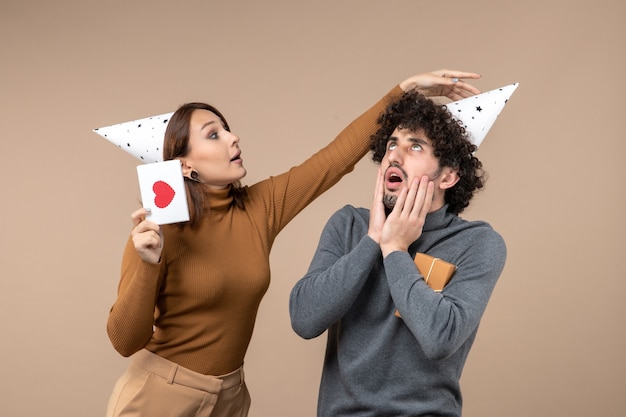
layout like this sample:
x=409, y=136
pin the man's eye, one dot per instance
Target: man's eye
x=392, y=145
x=416, y=147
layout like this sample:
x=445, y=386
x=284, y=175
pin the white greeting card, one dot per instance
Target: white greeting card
x=163, y=191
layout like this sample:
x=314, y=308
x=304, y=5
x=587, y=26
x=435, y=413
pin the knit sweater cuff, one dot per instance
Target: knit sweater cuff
x=399, y=264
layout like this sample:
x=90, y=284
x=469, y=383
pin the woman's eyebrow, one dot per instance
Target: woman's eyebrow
x=207, y=124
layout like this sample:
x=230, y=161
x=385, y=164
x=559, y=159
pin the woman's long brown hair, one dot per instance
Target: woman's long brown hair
x=176, y=145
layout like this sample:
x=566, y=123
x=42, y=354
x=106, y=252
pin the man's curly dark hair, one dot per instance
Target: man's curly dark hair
x=449, y=138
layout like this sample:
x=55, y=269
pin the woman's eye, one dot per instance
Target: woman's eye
x=213, y=135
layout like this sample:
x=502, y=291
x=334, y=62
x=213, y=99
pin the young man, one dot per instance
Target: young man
x=395, y=346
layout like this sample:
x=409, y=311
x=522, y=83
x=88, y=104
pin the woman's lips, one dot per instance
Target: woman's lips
x=237, y=158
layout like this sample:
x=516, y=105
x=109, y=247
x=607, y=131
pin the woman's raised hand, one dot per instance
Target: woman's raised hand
x=147, y=237
x=443, y=82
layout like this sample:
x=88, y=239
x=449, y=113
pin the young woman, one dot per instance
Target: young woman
x=189, y=293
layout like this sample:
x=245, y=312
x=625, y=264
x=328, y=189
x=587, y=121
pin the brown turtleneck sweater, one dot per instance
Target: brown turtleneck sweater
x=198, y=305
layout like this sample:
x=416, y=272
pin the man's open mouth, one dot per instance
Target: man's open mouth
x=394, y=177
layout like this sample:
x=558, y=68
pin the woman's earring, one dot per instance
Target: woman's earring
x=193, y=176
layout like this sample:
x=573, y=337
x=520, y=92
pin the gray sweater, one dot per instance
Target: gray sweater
x=378, y=364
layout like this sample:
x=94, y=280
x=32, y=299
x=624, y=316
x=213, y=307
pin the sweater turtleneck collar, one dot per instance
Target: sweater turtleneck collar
x=218, y=200
x=438, y=219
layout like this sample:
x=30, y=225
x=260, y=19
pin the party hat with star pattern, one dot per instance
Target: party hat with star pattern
x=142, y=138
x=478, y=113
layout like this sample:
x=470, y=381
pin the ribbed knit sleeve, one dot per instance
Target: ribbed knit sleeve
x=287, y=194
x=130, y=321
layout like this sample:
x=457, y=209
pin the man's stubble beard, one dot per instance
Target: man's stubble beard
x=389, y=201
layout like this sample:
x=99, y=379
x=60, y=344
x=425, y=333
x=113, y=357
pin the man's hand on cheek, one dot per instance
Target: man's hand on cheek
x=405, y=222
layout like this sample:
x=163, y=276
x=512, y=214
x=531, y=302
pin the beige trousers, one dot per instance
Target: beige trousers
x=153, y=387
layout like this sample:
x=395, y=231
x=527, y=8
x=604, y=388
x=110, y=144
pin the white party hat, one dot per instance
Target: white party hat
x=479, y=112
x=142, y=138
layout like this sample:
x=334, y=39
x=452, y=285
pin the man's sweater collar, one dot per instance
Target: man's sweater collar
x=438, y=219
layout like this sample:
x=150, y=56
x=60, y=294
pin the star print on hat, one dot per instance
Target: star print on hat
x=479, y=112
x=142, y=138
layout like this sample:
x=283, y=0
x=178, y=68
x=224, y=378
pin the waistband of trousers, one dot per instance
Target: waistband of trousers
x=176, y=374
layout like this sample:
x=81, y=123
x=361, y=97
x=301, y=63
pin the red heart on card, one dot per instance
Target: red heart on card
x=163, y=194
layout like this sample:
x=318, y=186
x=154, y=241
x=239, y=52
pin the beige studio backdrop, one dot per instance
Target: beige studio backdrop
x=289, y=75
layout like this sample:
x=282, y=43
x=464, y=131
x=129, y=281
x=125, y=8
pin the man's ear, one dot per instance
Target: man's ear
x=449, y=177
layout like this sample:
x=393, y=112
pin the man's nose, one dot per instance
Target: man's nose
x=395, y=155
